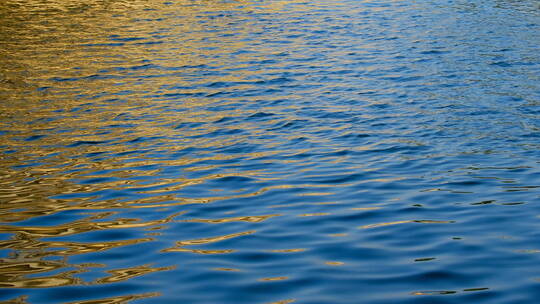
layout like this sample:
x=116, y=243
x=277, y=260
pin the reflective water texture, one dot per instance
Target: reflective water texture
x=271, y=151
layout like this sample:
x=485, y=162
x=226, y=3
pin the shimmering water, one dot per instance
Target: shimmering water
x=272, y=151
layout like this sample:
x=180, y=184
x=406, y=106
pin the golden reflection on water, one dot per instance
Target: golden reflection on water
x=180, y=245
x=288, y=250
x=119, y=275
x=338, y=234
x=284, y=301
x=38, y=248
x=13, y=275
x=251, y=219
x=60, y=119
x=273, y=279
x=81, y=226
x=405, y=222
x=119, y=299
x=334, y=263
x=18, y=300
x=90, y=24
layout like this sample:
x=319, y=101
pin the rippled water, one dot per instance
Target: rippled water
x=272, y=151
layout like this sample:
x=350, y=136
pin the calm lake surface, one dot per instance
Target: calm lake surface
x=272, y=151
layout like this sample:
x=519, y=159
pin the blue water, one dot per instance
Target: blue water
x=271, y=151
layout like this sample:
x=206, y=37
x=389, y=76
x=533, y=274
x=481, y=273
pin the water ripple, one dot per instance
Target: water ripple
x=271, y=152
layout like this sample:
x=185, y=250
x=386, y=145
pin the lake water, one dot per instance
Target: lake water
x=271, y=151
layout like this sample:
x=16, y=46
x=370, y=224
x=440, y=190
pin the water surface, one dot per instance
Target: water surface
x=278, y=151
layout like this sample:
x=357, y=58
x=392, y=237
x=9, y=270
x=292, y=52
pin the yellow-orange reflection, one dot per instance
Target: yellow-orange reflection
x=251, y=219
x=273, y=279
x=119, y=275
x=119, y=299
x=180, y=245
x=76, y=227
x=288, y=250
x=284, y=301
x=18, y=300
x=13, y=275
x=88, y=88
x=405, y=222
x=334, y=263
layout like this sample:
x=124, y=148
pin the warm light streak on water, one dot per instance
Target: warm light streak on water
x=276, y=152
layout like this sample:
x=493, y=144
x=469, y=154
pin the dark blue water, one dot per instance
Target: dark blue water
x=269, y=151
